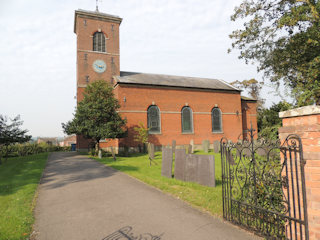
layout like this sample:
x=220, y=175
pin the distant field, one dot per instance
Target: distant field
x=19, y=178
x=206, y=198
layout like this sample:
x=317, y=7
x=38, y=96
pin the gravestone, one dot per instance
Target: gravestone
x=216, y=146
x=100, y=154
x=166, y=169
x=179, y=164
x=189, y=149
x=173, y=146
x=262, y=152
x=246, y=152
x=206, y=170
x=151, y=150
x=200, y=169
x=113, y=154
x=191, y=168
x=192, y=145
x=140, y=148
x=231, y=159
x=126, y=151
x=205, y=146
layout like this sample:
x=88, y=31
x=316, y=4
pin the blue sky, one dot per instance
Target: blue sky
x=38, y=50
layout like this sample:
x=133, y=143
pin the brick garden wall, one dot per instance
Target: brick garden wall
x=305, y=122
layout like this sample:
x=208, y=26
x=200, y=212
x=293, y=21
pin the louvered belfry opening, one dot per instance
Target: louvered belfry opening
x=99, y=42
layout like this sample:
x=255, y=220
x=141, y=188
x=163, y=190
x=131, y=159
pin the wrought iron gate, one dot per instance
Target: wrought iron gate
x=263, y=186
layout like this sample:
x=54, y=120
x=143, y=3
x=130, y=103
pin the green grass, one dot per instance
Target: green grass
x=19, y=178
x=137, y=165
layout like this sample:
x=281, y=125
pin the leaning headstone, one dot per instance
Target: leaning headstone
x=206, y=170
x=173, y=146
x=216, y=146
x=113, y=154
x=166, y=169
x=192, y=145
x=179, y=164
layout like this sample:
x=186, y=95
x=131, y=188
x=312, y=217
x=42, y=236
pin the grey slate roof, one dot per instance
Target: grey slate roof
x=173, y=81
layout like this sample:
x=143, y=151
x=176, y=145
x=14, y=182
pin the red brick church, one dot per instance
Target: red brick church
x=173, y=107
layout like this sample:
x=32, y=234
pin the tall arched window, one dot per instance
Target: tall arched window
x=216, y=120
x=154, y=119
x=186, y=120
x=99, y=42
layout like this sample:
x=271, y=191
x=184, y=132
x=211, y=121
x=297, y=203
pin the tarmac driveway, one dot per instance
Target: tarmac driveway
x=80, y=198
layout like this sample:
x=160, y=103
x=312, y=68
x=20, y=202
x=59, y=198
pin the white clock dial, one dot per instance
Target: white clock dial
x=99, y=66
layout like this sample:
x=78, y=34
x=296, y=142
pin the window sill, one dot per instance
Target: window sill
x=187, y=133
x=154, y=133
x=217, y=132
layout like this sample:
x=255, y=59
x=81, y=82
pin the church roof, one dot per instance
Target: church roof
x=173, y=81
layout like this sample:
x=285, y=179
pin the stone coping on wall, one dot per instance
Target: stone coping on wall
x=301, y=111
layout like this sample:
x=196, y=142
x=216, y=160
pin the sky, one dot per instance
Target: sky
x=177, y=37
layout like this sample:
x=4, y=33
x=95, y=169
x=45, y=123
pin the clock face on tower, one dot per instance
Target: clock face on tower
x=99, y=66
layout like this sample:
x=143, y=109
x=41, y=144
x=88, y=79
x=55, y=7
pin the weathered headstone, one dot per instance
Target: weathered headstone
x=206, y=170
x=216, y=146
x=231, y=159
x=261, y=151
x=166, y=169
x=151, y=150
x=200, y=169
x=113, y=154
x=192, y=145
x=189, y=149
x=179, y=164
x=191, y=168
x=173, y=146
x=246, y=152
x=100, y=154
x=205, y=146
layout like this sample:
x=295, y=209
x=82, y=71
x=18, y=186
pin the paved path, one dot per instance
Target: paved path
x=80, y=198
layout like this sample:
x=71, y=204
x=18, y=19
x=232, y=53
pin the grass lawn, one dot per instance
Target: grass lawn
x=137, y=165
x=19, y=178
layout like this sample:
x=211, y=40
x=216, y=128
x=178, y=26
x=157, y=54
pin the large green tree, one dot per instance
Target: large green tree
x=96, y=116
x=10, y=133
x=283, y=37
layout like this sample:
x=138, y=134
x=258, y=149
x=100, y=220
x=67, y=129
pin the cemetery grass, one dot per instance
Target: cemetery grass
x=208, y=199
x=19, y=179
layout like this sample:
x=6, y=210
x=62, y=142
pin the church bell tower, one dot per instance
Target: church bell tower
x=98, y=51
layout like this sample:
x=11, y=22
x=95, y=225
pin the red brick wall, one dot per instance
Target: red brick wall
x=308, y=128
x=249, y=115
x=170, y=102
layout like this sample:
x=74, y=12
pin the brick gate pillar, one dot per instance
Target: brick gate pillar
x=305, y=122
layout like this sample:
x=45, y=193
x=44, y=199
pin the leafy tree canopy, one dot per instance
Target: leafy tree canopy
x=96, y=116
x=11, y=132
x=253, y=87
x=283, y=37
x=269, y=121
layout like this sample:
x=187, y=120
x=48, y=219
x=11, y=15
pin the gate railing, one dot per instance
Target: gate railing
x=263, y=186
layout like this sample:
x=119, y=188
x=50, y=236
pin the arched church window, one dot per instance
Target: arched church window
x=99, y=42
x=154, y=119
x=186, y=120
x=216, y=120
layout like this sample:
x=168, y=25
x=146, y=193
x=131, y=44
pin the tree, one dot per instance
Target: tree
x=96, y=116
x=253, y=87
x=269, y=121
x=142, y=135
x=283, y=37
x=11, y=133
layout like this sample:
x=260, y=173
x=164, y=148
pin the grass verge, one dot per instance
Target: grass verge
x=19, y=178
x=137, y=165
